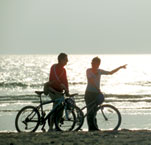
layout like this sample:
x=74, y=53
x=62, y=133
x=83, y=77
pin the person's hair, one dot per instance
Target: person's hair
x=96, y=60
x=61, y=56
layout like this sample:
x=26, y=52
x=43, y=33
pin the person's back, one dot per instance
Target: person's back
x=58, y=77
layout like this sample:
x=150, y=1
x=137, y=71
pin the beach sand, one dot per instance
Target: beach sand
x=122, y=137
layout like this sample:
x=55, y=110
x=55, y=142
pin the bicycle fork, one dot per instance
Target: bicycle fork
x=67, y=113
x=104, y=114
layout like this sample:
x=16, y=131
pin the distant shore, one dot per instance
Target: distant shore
x=123, y=137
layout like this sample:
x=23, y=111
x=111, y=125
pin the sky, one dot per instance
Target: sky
x=75, y=26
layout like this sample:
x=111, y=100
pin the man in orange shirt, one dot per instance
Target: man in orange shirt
x=57, y=81
x=58, y=78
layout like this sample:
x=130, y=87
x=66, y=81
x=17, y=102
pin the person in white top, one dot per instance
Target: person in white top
x=93, y=92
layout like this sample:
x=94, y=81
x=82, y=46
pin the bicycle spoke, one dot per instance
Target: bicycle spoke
x=27, y=119
x=107, y=118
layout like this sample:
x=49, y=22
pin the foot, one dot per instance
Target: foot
x=52, y=130
x=94, y=130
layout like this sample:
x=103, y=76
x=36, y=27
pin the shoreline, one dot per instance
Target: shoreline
x=121, y=137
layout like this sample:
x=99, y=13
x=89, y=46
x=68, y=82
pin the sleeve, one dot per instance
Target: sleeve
x=104, y=72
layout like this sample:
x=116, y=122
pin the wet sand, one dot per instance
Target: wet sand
x=123, y=137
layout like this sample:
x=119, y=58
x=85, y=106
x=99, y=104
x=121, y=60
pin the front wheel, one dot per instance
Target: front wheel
x=27, y=119
x=69, y=118
x=65, y=120
x=107, y=118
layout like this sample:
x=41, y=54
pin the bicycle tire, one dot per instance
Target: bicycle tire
x=107, y=118
x=64, y=120
x=78, y=112
x=75, y=123
x=79, y=118
x=27, y=119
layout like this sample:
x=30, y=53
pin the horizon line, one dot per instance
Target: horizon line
x=76, y=53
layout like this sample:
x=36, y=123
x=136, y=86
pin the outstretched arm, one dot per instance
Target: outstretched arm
x=117, y=69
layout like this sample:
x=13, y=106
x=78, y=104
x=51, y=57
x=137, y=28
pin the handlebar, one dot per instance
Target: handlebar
x=72, y=95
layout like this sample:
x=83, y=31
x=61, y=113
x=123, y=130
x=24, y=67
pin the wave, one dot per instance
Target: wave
x=24, y=85
x=140, y=83
x=33, y=85
x=77, y=83
x=18, y=84
x=80, y=98
x=127, y=96
x=18, y=98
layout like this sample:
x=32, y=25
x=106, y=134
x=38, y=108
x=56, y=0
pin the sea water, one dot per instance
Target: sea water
x=128, y=89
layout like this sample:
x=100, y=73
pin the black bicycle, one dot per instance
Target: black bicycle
x=107, y=117
x=29, y=118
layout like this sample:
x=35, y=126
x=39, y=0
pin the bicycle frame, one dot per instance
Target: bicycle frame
x=90, y=109
x=38, y=115
x=60, y=101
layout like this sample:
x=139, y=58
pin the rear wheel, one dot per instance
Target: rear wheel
x=27, y=119
x=107, y=118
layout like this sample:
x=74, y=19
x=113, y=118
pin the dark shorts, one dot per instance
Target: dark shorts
x=98, y=98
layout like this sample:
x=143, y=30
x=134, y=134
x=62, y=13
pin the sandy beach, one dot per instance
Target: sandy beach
x=123, y=137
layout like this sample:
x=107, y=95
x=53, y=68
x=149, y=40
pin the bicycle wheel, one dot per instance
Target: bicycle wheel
x=78, y=113
x=107, y=118
x=27, y=119
x=71, y=119
x=65, y=119
x=79, y=117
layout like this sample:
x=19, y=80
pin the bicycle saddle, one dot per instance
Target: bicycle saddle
x=39, y=92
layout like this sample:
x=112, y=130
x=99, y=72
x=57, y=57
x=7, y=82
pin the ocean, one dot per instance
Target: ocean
x=128, y=89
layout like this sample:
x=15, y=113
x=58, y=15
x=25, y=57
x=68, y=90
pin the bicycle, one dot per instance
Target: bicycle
x=29, y=118
x=107, y=117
